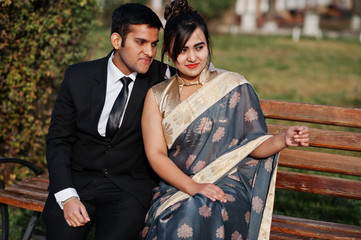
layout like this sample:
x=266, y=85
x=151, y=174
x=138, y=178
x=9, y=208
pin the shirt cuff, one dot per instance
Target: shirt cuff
x=64, y=195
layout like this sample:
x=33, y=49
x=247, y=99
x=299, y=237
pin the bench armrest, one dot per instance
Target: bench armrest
x=25, y=163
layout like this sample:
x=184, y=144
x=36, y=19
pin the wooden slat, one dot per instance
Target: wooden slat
x=305, y=112
x=314, y=228
x=22, y=201
x=43, y=177
x=28, y=191
x=327, y=138
x=288, y=236
x=317, y=224
x=319, y=184
x=317, y=161
x=35, y=183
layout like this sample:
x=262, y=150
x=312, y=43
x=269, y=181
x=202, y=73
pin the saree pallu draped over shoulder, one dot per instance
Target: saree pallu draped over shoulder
x=209, y=137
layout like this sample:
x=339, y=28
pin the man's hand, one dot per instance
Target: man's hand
x=75, y=213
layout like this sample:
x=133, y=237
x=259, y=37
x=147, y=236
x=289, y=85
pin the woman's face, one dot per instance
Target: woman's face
x=193, y=58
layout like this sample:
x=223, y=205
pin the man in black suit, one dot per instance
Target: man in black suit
x=98, y=175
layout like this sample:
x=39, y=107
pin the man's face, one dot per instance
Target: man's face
x=139, y=49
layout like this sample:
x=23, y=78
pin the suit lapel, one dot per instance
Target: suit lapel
x=98, y=93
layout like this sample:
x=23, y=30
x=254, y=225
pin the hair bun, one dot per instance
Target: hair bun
x=177, y=7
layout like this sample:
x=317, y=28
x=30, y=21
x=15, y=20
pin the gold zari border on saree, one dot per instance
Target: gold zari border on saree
x=215, y=170
x=188, y=110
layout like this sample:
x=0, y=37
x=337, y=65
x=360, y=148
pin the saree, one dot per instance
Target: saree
x=209, y=137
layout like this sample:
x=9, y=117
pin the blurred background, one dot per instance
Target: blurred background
x=285, y=48
x=294, y=50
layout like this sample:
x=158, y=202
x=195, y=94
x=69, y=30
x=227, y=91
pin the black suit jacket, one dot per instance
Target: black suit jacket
x=76, y=151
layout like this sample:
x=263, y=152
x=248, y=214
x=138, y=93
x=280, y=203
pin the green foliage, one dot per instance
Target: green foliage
x=38, y=40
x=109, y=5
x=18, y=221
x=210, y=9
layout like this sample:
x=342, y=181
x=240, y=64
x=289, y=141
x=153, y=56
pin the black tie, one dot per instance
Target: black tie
x=118, y=108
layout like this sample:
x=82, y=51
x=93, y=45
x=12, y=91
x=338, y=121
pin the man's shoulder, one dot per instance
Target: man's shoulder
x=156, y=66
x=91, y=64
x=158, y=69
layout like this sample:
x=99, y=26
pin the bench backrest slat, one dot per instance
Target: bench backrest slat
x=319, y=161
x=319, y=184
x=313, y=113
x=327, y=138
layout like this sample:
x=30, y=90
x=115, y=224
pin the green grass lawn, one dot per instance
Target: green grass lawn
x=311, y=71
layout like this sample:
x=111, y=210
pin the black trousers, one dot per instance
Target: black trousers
x=115, y=213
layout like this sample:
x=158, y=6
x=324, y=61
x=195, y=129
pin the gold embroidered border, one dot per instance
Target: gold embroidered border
x=215, y=170
x=265, y=228
x=185, y=113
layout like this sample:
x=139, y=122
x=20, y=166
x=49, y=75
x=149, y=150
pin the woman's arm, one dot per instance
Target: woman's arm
x=294, y=137
x=156, y=150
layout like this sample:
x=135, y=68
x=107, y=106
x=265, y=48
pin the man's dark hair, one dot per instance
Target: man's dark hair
x=133, y=14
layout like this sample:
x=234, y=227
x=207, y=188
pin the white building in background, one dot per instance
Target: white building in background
x=157, y=5
x=250, y=10
x=243, y=6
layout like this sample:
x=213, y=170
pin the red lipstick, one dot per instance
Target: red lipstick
x=194, y=65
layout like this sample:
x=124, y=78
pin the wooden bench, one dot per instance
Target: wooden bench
x=344, y=134
x=31, y=194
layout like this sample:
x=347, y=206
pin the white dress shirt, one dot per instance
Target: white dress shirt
x=114, y=86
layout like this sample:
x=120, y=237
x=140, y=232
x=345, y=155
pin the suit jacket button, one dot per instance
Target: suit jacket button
x=106, y=171
x=109, y=147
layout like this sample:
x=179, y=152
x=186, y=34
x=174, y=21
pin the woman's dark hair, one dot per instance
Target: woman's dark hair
x=133, y=14
x=182, y=21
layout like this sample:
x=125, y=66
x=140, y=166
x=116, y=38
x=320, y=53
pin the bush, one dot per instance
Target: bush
x=38, y=40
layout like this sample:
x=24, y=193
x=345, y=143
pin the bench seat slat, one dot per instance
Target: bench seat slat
x=312, y=232
x=34, y=183
x=319, y=184
x=327, y=138
x=29, y=191
x=318, y=161
x=305, y=112
x=288, y=236
x=43, y=177
x=22, y=201
x=314, y=228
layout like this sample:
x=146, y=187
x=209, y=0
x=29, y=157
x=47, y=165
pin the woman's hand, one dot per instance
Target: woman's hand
x=210, y=190
x=297, y=136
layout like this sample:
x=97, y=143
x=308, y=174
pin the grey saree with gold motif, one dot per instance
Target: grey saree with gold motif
x=210, y=137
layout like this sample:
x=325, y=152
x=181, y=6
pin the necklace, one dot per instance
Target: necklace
x=190, y=83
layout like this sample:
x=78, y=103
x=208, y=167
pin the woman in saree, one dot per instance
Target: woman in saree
x=206, y=137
